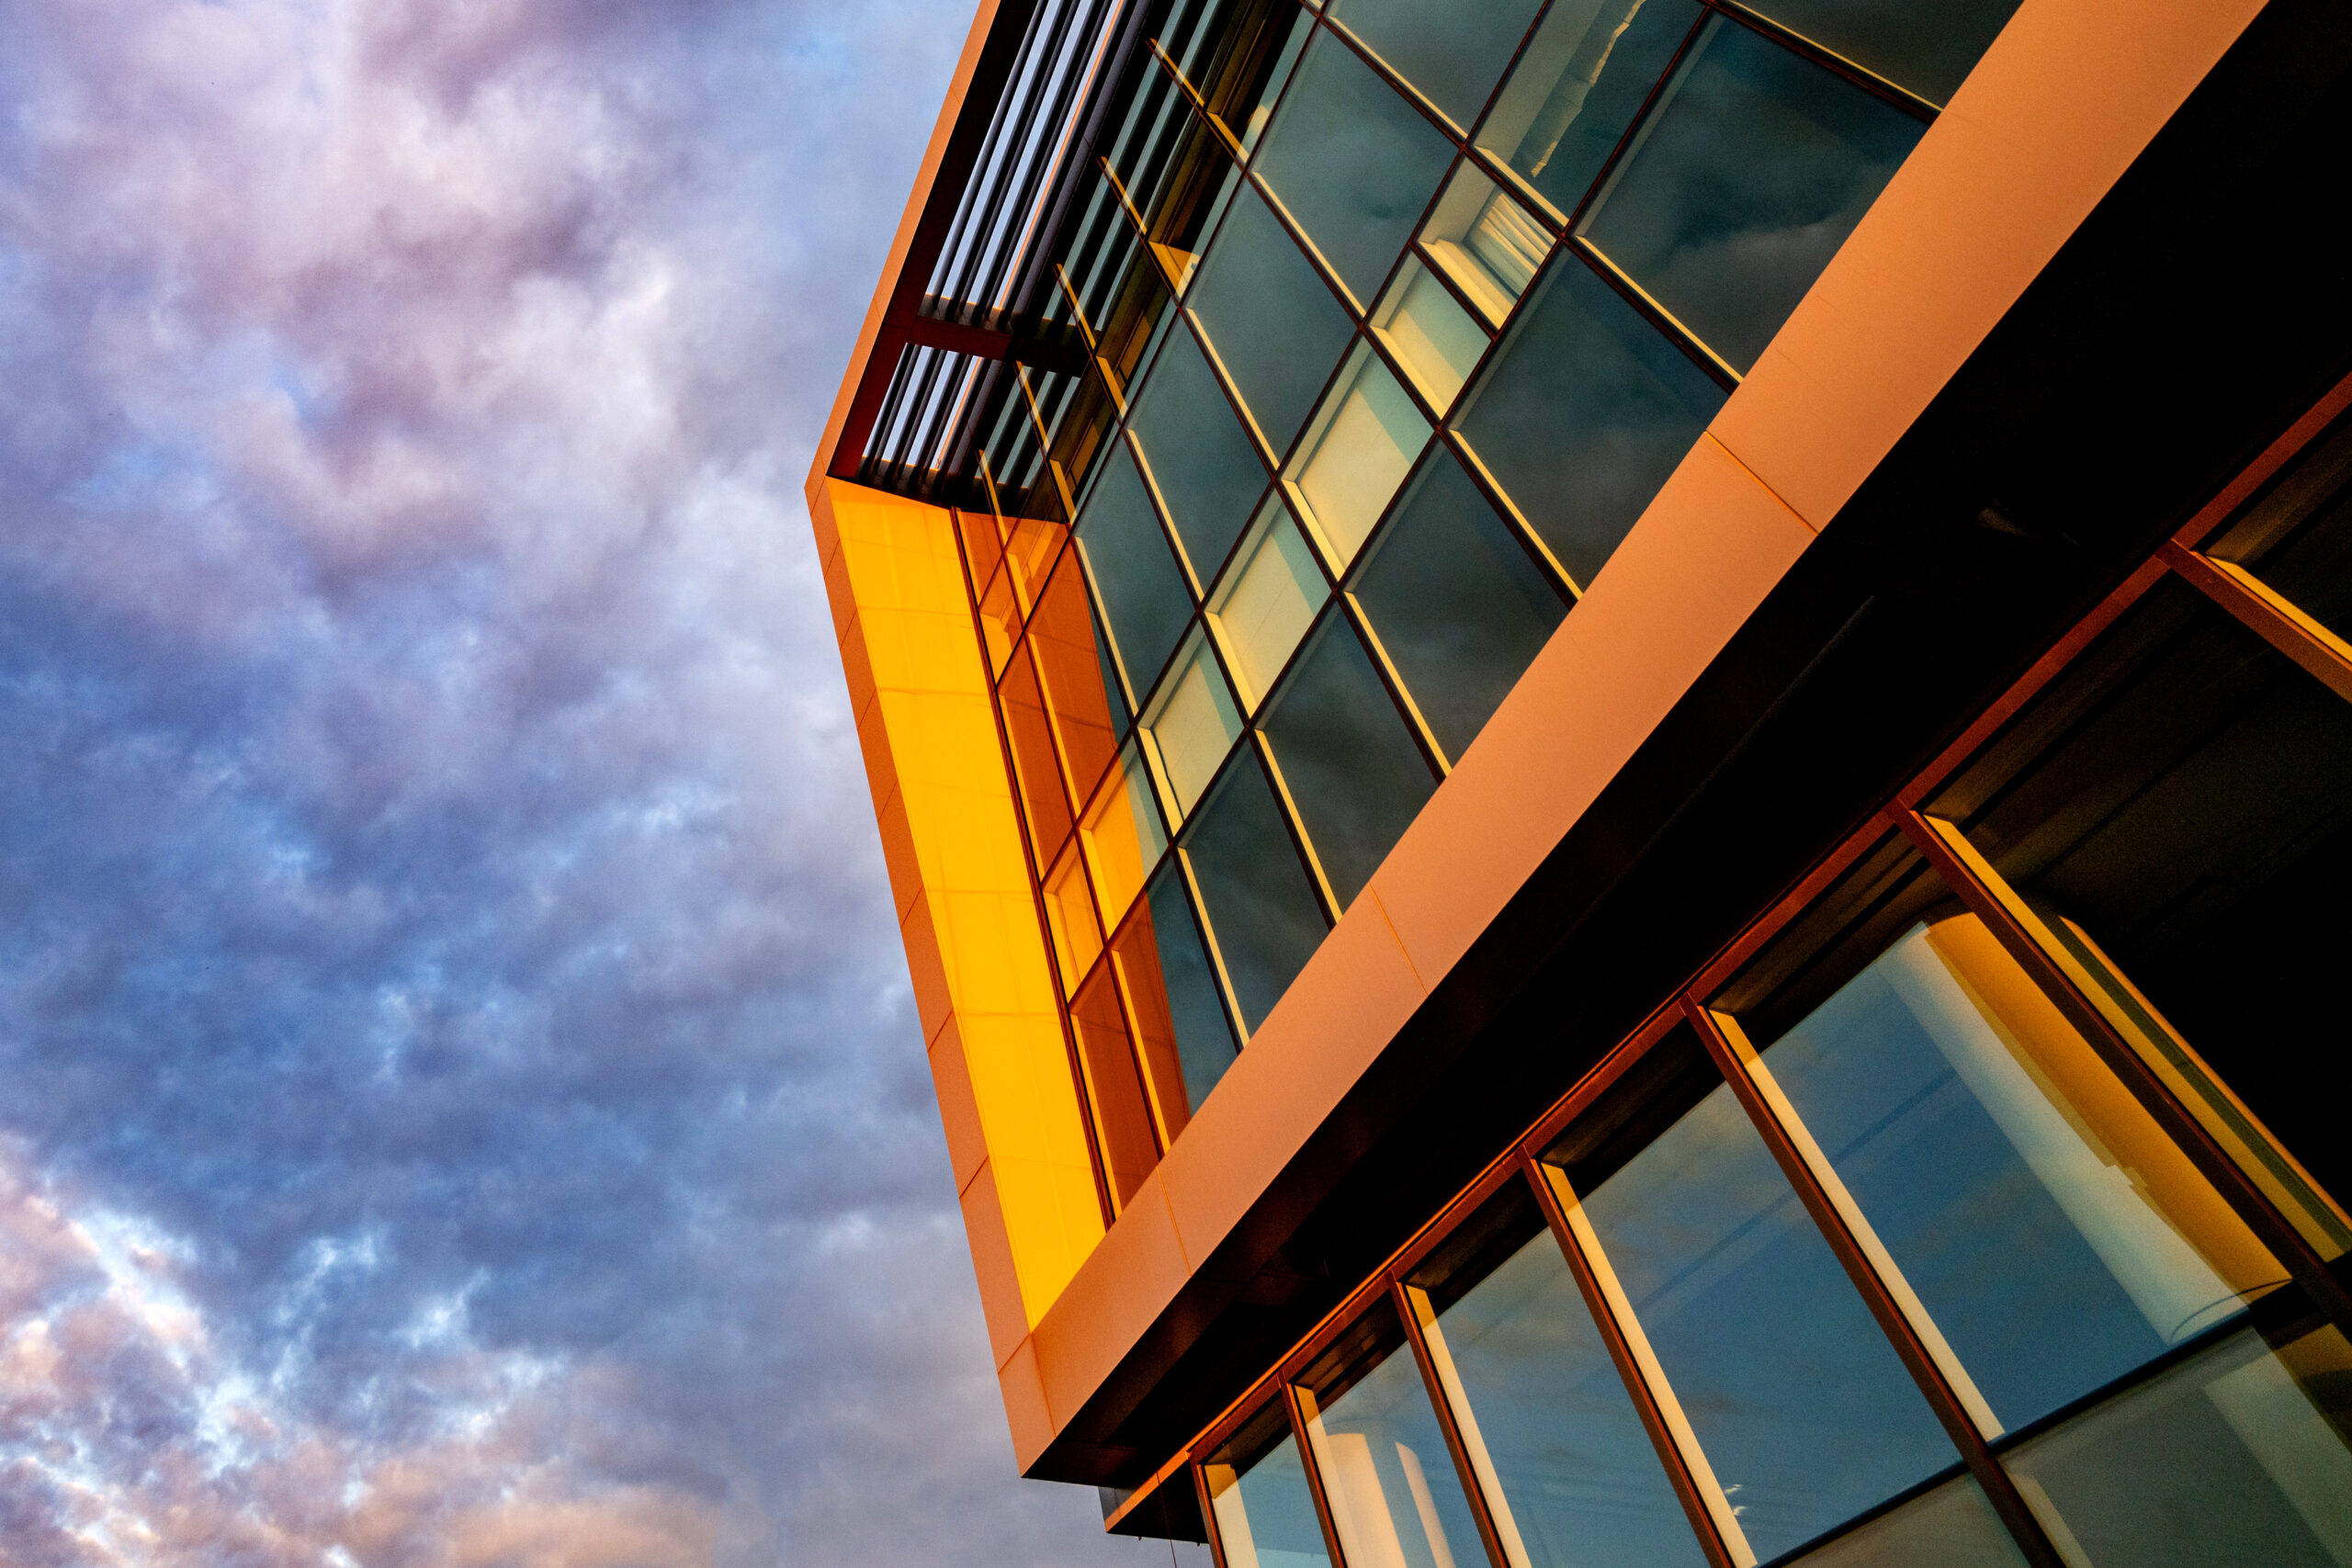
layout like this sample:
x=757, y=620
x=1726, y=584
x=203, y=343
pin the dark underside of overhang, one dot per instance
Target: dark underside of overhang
x=2206, y=303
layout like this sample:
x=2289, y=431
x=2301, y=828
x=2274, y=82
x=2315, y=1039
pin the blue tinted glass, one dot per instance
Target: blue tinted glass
x=1581, y=1485
x=1208, y=471
x=1396, y=1496
x=1136, y=577
x=1353, y=161
x=1456, y=604
x=1266, y=1518
x=1798, y=1400
x=1203, y=1041
x=1582, y=82
x=1276, y=329
x=1348, y=760
x=1988, y=1147
x=1927, y=46
x=1585, y=414
x=1737, y=192
x=1453, y=52
x=1262, y=911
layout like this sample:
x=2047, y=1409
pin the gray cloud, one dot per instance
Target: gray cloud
x=461, y=1101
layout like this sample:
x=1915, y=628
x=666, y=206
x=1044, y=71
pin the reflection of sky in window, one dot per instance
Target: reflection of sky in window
x=1142, y=592
x=1582, y=1486
x=1743, y=183
x=1274, y=326
x=1267, y=1518
x=1804, y=1413
x=2023, y=1297
x=1396, y=1497
x=1352, y=162
x=1452, y=53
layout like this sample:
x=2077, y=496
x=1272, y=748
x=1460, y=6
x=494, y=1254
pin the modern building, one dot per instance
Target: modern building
x=1615, y=740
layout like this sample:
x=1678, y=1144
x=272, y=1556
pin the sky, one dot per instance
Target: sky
x=460, y=1099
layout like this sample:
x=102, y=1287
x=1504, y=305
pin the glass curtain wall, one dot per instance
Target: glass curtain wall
x=1400, y=315
x=1977, y=1207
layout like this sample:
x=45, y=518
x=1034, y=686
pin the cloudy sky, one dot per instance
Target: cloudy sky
x=459, y=1098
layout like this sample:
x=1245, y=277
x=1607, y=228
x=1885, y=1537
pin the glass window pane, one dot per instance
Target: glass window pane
x=1274, y=327
x=1346, y=758
x=1069, y=669
x=1185, y=208
x=1396, y=1498
x=1363, y=442
x=1123, y=1129
x=1069, y=915
x=1034, y=767
x=1577, y=88
x=1267, y=602
x=1265, y=1515
x=1756, y=166
x=2238, y=1455
x=1352, y=162
x=1143, y=591
x=1929, y=46
x=1487, y=244
x=2054, y=1233
x=2298, y=537
x=1122, y=834
x=1135, y=957
x=983, y=546
x=1197, y=1016
x=1262, y=912
x=1457, y=606
x=1033, y=544
x=1451, y=52
x=1584, y=415
x=2175, y=806
x=1570, y=1474
x=1950, y=1526
x=999, y=622
x=1437, y=342
x=1208, y=471
x=1255, y=44
x=1803, y=1410
x=1190, y=726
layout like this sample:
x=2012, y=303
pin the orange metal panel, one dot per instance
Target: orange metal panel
x=1025, y=1405
x=982, y=986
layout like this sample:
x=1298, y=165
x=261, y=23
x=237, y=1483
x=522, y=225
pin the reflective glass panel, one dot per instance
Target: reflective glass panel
x=2298, y=537
x=1346, y=758
x=1456, y=604
x=1206, y=468
x=1265, y=1515
x=1034, y=766
x=1069, y=669
x=1203, y=1037
x=2054, y=1233
x=1122, y=833
x=1436, y=341
x=1273, y=326
x=2173, y=806
x=1577, y=88
x=1123, y=1129
x=2235, y=1457
x=1569, y=1471
x=1363, y=442
x=1396, y=1498
x=983, y=546
x=1451, y=52
x=1000, y=621
x=1135, y=958
x=1352, y=162
x=1584, y=414
x=1489, y=244
x=1756, y=166
x=1929, y=46
x=1262, y=911
x=1143, y=591
x=1950, y=1526
x=1190, y=726
x=1267, y=602
x=1069, y=914
x=1800, y=1406
x=1257, y=43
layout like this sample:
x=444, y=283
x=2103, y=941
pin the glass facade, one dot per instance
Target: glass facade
x=1964, y=1210
x=1399, y=316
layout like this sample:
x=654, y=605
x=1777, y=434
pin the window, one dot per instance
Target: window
x=1452, y=53
x=1143, y=594
x=1208, y=471
x=1274, y=327
x=1264, y=917
x=1583, y=79
x=1742, y=184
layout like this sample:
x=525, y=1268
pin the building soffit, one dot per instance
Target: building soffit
x=1601, y=837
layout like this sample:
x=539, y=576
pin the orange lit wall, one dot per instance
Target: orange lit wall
x=960, y=883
